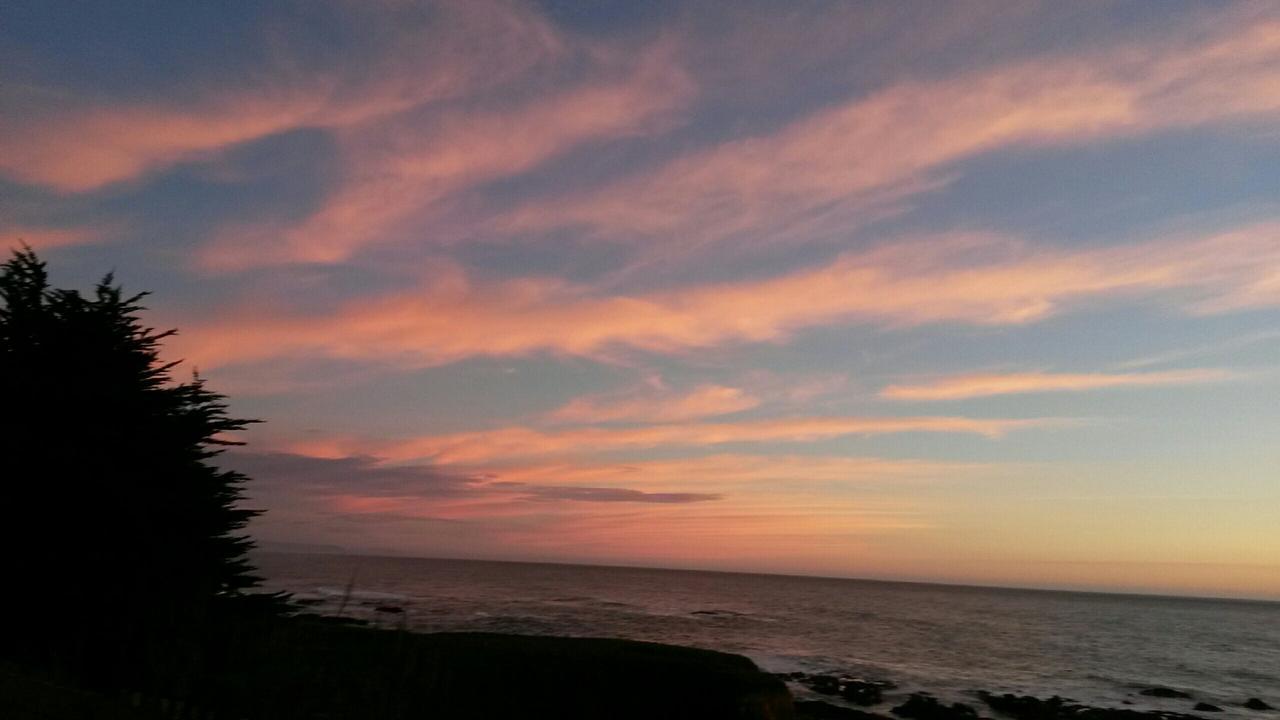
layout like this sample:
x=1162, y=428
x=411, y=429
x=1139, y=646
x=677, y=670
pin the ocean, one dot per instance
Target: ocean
x=951, y=641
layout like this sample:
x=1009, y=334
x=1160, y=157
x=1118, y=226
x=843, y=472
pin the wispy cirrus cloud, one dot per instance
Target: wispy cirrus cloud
x=702, y=401
x=99, y=146
x=610, y=494
x=823, y=172
x=83, y=143
x=699, y=477
x=1221, y=348
x=525, y=442
x=965, y=279
x=405, y=168
x=959, y=387
x=45, y=238
x=736, y=474
x=362, y=483
x=759, y=504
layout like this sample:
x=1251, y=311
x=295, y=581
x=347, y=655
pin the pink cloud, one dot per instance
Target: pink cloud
x=703, y=401
x=735, y=473
x=524, y=442
x=959, y=387
x=966, y=279
x=831, y=170
x=779, y=528
x=87, y=144
x=398, y=170
x=762, y=505
x=104, y=145
x=825, y=173
x=44, y=238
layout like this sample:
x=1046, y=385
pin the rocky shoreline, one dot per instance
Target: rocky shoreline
x=863, y=699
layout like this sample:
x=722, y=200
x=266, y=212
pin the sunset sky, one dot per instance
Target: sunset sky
x=968, y=292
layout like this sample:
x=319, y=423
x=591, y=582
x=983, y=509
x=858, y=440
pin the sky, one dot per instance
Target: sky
x=970, y=292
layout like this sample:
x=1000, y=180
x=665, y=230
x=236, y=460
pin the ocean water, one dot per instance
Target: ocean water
x=951, y=641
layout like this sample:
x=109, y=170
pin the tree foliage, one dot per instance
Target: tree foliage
x=112, y=503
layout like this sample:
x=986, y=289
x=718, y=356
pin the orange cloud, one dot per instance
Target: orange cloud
x=703, y=401
x=731, y=505
x=872, y=150
x=983, y=384
x=733, y=474
x=778, y=536
x=822, y=515
x=110, y=144
x=824, y=173
x=83, y=148
x=831, y=169
x=41, y=238
x=524, y=442
x=782, y=529
x=966, y=279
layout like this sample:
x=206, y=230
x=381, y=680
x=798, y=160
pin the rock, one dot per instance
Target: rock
x=389, y=609
x=921, y=707
x=855, y=690
x=825, y=684
x=861, y=692
x=1093, y=713
x=330, y=619
x=818, y=710
x=1206, y=707
x=1025, y=707
x=1164, y=692
x=1257, y=704
x=563, y=678
x=717, y=613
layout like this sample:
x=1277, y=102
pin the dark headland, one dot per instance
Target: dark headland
x=285, y=669
x=310, y=667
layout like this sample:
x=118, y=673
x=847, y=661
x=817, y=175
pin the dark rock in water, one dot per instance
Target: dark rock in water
x=861, y=692
x=316, y=619
x=1206, y=707
x=389, y=609
x=825, y=684
x=1257, y=704
x=855, y=690
x=818, y=710
x=1092, y=713
x=921, y=707
x=1164, y=692
x=717, y=613
x=1024, y=707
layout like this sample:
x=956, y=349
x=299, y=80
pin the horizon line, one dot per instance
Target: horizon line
x=387, y=554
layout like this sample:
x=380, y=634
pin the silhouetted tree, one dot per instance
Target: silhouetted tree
x=113, y=512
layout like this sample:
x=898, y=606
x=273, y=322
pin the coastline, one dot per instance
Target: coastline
x=949, y=642
x=842, y=697
x=314, y=666
x=311, y=667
